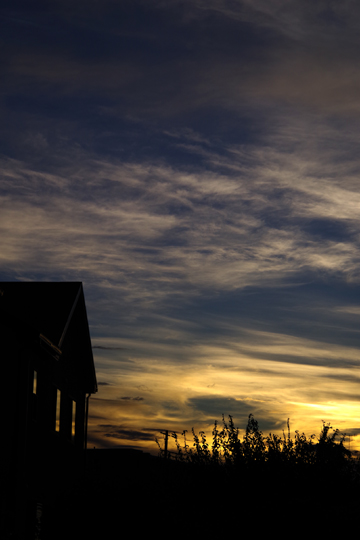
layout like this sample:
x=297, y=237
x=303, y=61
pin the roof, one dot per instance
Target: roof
x=55, y=313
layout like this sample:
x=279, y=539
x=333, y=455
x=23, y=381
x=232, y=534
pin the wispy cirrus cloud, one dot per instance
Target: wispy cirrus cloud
x=248, y=214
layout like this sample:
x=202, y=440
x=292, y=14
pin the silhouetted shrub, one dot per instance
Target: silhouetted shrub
x=273, y=457
x=260, y=478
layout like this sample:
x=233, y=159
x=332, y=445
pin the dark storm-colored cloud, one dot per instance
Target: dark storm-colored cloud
x=129, y=434
x=218, y=405
x=352, y=431
x=172, y=409
x=213, y=407
x=127, y=398
x=106, y=348
x=346, y=378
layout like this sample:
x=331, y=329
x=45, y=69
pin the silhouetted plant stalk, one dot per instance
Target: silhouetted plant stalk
x=272, y=452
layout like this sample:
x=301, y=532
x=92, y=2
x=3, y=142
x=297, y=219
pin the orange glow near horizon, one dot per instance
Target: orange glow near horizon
x=154, y=397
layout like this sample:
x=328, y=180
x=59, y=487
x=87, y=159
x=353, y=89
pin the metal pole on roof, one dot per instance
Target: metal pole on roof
x=69, y=318
x=166, y=433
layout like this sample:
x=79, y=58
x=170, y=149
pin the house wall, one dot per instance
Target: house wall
x=42, y=452
x=42, y=459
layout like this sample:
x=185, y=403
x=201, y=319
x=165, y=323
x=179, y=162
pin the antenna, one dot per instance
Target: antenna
x=69, y=318
x=166, y=433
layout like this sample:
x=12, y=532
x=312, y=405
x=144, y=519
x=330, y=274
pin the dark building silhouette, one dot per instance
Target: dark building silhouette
x=48, y=376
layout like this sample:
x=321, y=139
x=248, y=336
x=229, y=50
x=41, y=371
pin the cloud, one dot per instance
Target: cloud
x=198, y=170
x=117, y=432
x=214, y=407
x=105, y=348
x=248, y=56
x=293, y=18
x=127, y=398
x=211, y=405
x=267, y=215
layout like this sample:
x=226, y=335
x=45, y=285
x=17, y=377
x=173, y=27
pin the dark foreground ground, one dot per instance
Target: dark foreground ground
x=138, y=494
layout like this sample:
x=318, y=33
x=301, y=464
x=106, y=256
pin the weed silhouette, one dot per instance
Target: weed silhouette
x=260, y=478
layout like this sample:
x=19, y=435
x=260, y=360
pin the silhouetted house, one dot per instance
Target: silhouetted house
x=48, y=375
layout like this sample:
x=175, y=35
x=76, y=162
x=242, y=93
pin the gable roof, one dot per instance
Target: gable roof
x=55, y=314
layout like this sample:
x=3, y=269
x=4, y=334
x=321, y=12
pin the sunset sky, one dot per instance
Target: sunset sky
x=195, y=163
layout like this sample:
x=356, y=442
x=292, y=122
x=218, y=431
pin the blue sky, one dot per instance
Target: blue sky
x=195, y=164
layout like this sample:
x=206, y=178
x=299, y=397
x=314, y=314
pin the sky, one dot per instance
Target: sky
x=195, y=163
